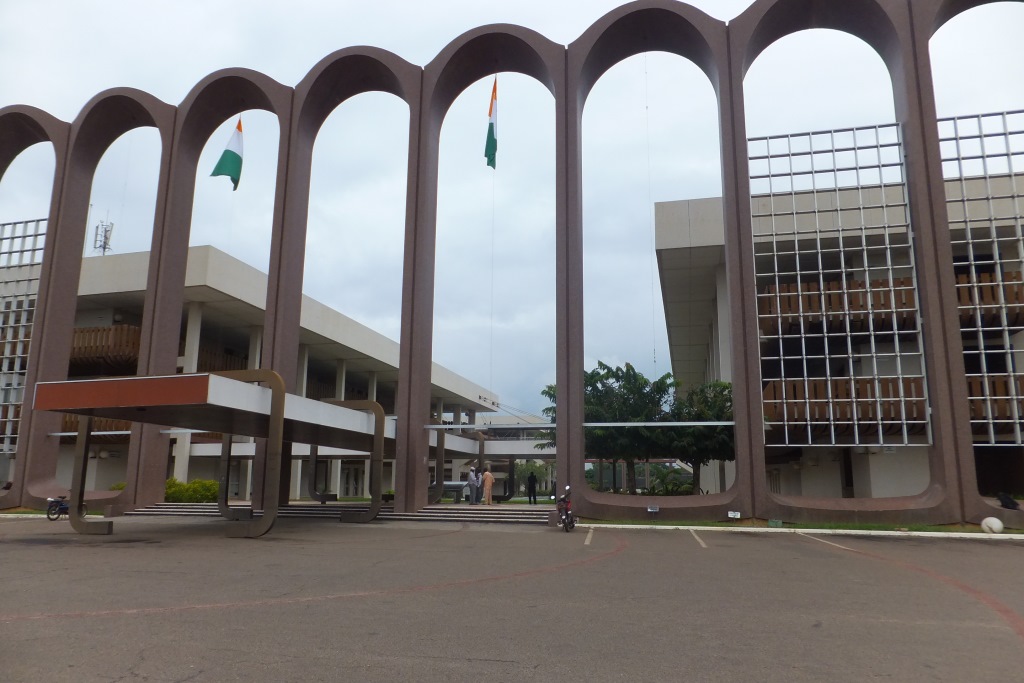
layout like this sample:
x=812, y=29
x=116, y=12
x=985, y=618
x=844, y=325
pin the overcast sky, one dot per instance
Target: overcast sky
x=650, y=134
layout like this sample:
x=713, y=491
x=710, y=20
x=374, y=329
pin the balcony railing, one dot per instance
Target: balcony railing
x=844, y=406
x=781, y=308
x=112, y=350
x=997, y=400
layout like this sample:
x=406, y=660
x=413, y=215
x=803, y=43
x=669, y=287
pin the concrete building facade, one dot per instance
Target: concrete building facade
x=899, y=30
x=841, y=362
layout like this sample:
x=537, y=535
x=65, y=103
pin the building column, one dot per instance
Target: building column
x=247, y=491
x=255, y=347
x=181, y=448
x=189, y=364
x=340, y=377
x=296, y=489
x=193, y=329
x=301, y=377
x=456, y=418
x=371, y=386
x=724, y=337
x=93, y=460
x=302, y=370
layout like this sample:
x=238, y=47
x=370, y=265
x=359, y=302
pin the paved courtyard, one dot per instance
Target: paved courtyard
x=174, y=600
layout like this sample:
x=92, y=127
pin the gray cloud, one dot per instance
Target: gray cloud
x=651, y=132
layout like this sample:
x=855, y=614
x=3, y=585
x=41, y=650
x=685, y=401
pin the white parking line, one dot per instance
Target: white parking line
x=699, y=540
x=590, y=535
x=822, y=540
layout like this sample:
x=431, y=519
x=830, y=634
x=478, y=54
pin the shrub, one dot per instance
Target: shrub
x=119, y=486
x=195, y=491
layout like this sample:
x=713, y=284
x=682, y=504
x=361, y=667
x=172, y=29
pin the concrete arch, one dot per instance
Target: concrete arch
x=632, y=29
x=473, y=55
x=873, y=21
x=647, y=26
x=101, y=121
x=111, y=114
x=347, y=73
x=21, y=127
x=928, y=17
x=336, y=78
x=221, y=95
x=932, y=15
x=484, y=51
x=214, y=99
x=898, y=30
x=886, y=26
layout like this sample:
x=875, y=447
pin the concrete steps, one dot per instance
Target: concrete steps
x=496, y=514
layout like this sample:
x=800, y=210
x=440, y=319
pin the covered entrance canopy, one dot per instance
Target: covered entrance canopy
x=229, y=403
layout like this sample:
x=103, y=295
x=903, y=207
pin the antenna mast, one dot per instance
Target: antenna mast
x=101, y=238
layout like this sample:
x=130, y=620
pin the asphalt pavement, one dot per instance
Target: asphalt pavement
x=175, y=600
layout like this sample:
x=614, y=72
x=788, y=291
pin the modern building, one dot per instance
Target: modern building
x=840, y=360
x=221, y=330
x=866, y=291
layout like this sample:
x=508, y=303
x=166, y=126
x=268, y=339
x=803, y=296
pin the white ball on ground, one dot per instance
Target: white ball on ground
x=992, y=525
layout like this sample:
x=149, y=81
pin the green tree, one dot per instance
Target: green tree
x=621, y=394
x=697, y=446
x=667, y=480
x=523, y=470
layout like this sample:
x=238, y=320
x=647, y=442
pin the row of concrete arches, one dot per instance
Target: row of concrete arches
x=894, y=28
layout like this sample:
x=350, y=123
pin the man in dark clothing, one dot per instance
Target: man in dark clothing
x=531, y=488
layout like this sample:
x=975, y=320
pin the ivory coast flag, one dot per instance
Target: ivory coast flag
x=491, y=148
x=230, y=163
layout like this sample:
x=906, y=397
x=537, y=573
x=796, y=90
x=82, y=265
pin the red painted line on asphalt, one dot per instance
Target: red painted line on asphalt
x=1014, y=620
x=620, y=546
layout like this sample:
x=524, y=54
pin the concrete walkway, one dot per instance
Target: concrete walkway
x=174, y=600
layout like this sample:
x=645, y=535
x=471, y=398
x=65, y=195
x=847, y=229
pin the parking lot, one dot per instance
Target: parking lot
x=174, y=600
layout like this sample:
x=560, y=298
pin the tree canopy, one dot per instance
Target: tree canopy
x=623, y=395
x=697, y=446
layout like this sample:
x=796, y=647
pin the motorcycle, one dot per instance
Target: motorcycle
x=58, y=507
x=566, y=519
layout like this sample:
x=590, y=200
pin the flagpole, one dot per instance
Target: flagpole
x=490, y=379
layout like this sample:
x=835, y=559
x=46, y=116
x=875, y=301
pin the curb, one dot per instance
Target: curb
x=817, y=532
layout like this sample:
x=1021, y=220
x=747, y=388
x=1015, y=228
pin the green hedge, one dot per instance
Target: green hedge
x=195, y=491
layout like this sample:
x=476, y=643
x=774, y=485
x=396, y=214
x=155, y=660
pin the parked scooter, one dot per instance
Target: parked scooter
x=58, y=507
x=566, y=519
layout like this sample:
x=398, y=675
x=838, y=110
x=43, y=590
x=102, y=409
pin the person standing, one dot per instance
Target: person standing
x=531, y=488
x=474, y=486
x=488, y=481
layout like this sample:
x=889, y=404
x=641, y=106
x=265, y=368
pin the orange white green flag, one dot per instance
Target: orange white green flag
x=491, y=148
x=230, y=163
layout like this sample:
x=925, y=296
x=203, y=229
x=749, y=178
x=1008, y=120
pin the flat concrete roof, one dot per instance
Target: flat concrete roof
x=233, y=295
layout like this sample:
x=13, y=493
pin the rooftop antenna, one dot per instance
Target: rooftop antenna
x=101, y=237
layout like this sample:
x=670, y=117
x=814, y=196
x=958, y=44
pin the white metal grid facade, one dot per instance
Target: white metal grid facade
x=840, y=342
x=983, y=167
x=21, y=256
